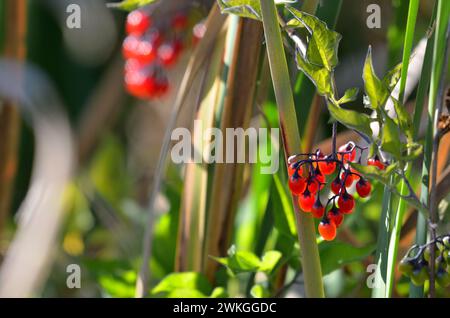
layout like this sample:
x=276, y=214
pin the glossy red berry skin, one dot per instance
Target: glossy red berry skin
x=327, y=230
x=143, y=51
x=346, y=203
x=348, y=179
x=335, y=216
x=306, y=201
x=376, y=163
x=336, y=185
x=140, y=84
x=297, y=184
x=327, y=167
x=348, y=151
x=317, y=210
x=137, y=22
x=363, y=188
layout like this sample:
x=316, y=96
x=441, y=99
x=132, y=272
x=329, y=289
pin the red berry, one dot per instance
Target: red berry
x=140, y=84
x=335, y=216
x=327, y=230
x=306, y=201
x=168, y=53
x=348, y=179
x=363, y=188
x=336, y=185
x=317, y=209
x=346, y=203
x=132, y=65
x=137, y=22
x=348, y=151
x=292, y=167
x=142, y=50
x=180, y=21
x=327, y=167
x=297, y=184
x=375, y=162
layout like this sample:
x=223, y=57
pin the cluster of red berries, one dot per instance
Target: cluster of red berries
x=149, y=49
x=307, y=178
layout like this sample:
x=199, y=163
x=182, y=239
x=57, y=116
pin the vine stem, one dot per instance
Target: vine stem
x=312, y=272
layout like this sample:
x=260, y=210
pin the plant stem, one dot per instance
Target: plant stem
x=405, y=187
x=421, y=227
x=291, y=141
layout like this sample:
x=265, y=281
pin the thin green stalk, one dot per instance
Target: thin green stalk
x=401, y=208
x=291, y=140
x=436, y=69
x=421, y=227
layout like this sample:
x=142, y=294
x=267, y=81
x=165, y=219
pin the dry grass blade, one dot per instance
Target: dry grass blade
x=214, y=24
x=227, y=182
x=16, y=23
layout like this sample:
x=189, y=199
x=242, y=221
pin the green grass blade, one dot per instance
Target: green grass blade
x=401, y=208
x=291, y=141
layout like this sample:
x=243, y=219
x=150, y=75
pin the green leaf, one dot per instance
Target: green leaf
x=404, y=118
x=130, y=5
x=320, y=76
x=336, y=254
x=351, y=119
x=269, y=261
x=259, y=291
x=323, y=44
x=390, y=137
x=349, y=96
x=392, y=77
x=183, y=281
x=245, y=8
x=219, y=292
x=240, y=262
x=374, y=88
x=414, y=151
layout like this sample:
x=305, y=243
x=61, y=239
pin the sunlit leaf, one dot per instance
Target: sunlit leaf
x=183, y=281
x=245, y=8
x=351, y=119
x=240, y=262
x=404, y=118
x=320, y=76
x=269, y=261
x=130, y=5
x=390, y=137
x=323, y=44
x=259, y=291
x=349, y=96
x=392, y=77
x=219, y=292
x=374, y=88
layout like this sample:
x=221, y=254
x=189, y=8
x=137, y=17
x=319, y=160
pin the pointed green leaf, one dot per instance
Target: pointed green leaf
x=269, y=261
x=240, y=262
x=390, y=137
x=374, y=88
x=414, y=151
x=245, y=8
x=320, y=76
x=404, y=118
x=323, y=44
x=351, y=119
x=349, y=96
x=392, y=77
